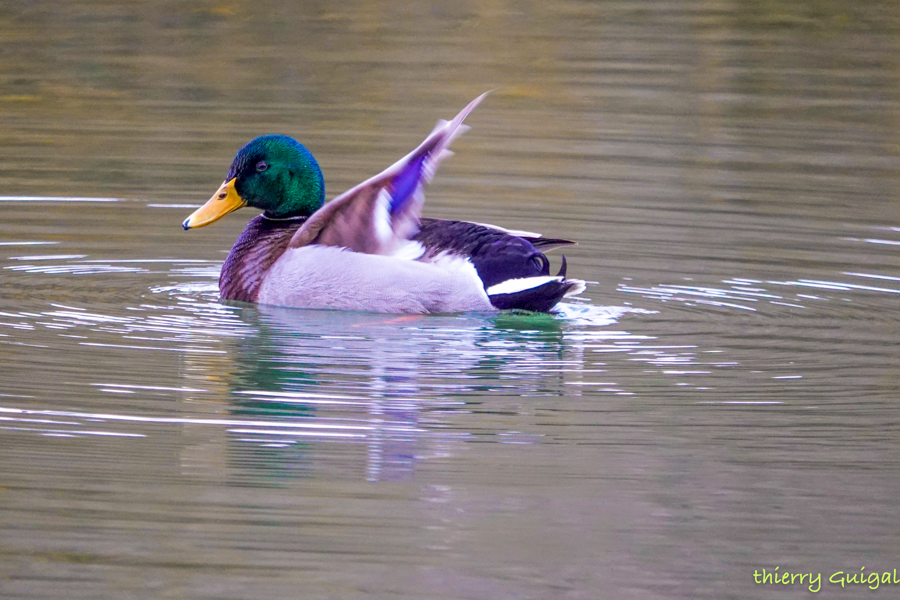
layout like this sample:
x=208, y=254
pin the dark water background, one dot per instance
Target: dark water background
x=726, y=400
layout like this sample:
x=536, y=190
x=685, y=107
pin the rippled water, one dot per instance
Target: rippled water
x=722, y=400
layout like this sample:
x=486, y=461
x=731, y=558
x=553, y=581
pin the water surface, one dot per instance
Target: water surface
x=723, y=399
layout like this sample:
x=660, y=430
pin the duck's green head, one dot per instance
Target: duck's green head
x=273, y=173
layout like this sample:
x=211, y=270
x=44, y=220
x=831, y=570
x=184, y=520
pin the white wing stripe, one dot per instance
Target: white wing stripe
x=382, y=217
x=515, y=232
x=511, y=286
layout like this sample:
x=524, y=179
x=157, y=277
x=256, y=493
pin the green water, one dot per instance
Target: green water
x=724, y=400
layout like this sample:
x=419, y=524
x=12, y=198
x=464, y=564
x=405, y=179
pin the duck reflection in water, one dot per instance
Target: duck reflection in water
x=373, y=394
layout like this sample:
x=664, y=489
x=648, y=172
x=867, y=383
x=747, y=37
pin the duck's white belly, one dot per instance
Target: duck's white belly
x=334, y=278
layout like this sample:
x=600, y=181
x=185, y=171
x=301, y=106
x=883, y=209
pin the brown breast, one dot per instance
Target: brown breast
x=256, y=249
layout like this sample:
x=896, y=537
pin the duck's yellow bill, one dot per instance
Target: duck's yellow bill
x=225, y=200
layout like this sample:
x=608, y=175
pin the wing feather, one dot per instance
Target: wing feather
x=382, y=213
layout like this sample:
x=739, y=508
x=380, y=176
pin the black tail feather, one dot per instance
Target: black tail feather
x=499, y=256
x=539, y=299
x=547, y=244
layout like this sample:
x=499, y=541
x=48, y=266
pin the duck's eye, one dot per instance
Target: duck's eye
x=261, y=166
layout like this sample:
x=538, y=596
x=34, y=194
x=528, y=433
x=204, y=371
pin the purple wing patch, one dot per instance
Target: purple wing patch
x=404, y=184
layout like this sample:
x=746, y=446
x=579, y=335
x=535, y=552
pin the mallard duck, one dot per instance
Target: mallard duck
x=369, y=249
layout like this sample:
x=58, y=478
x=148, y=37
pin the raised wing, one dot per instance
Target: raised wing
x=381, y=214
